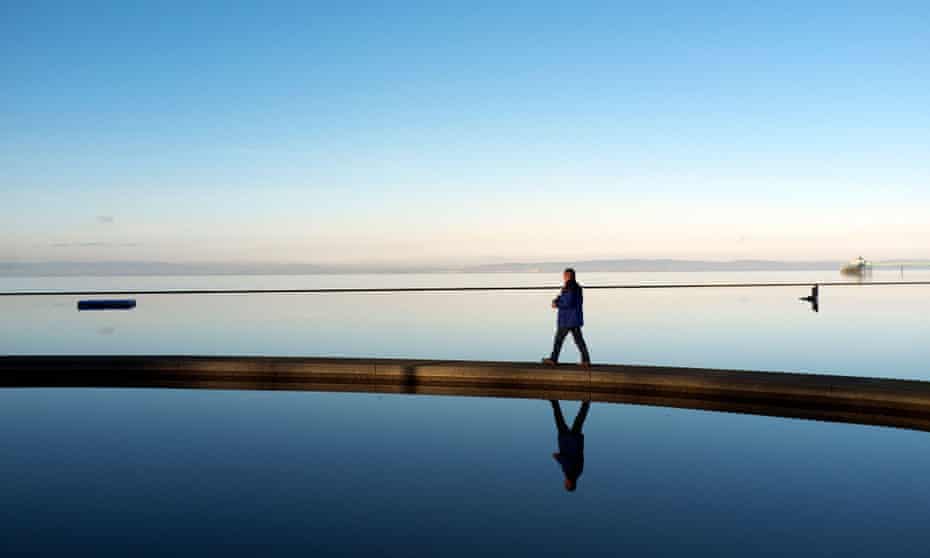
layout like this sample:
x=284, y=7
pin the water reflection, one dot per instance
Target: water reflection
x=227, y=472
x=571, y=443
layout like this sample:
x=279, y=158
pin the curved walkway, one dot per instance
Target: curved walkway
x=884, y=402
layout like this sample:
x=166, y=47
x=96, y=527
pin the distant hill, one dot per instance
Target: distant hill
x=60, y=268
x=653, y=265
x=73, y=269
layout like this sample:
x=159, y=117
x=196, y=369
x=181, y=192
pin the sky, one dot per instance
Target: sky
x=463, y=131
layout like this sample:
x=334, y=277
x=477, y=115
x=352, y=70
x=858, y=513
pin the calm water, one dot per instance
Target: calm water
x=873, y=331
x=162, y=472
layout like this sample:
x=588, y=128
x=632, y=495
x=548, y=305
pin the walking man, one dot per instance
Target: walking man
x=570, y=319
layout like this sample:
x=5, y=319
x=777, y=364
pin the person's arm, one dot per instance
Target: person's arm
x=566, y=299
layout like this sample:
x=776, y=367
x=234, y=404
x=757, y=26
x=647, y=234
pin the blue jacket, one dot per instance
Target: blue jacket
x=571, y=454
x=570, y=312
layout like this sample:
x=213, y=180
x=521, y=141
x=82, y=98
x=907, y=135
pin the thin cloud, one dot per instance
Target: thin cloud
x=105, y=219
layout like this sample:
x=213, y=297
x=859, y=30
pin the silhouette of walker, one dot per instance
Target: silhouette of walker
x=570, y=319
x=571, y=444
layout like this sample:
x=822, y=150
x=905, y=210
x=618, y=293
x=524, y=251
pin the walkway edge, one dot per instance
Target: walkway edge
x=254, y=372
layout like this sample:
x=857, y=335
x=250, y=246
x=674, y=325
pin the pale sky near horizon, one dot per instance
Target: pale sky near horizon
x=463, y=132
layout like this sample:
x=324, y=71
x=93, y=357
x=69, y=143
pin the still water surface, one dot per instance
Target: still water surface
x=869, y=331
x=162, y=472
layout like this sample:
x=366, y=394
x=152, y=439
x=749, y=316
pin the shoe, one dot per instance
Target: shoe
x=549, y=361
x=586, y=365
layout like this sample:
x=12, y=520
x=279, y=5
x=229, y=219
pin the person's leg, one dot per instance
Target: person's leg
x=560, y=334
x=582, y=347
x=559, y=418
x=579, y=418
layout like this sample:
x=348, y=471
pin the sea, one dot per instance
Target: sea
x=165, y=472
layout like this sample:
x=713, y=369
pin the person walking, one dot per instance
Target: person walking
x=570, y=319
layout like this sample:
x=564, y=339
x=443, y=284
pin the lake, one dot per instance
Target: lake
x=153, y=472
x=161, y=472
x=860, y=330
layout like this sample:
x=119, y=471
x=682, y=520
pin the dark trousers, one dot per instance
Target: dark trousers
x=577, y=425
x=579, y=342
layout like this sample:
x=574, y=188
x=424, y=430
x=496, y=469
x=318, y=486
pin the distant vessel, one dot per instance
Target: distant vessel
x=859, y=266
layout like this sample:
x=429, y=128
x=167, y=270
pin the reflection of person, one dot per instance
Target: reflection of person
x=571, y=444
x=570, y=319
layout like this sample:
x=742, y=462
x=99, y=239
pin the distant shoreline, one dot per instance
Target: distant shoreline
x=122, y=269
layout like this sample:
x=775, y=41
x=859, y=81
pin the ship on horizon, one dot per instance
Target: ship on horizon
x=859, y=266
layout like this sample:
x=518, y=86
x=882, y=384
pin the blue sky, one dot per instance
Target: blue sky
x=457, y=132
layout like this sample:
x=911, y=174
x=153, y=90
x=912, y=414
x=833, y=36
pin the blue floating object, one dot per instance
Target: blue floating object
x=120, y=304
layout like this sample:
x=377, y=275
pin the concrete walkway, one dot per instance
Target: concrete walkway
x=902, y=403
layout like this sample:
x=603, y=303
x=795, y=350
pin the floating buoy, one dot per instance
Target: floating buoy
x=96, y=304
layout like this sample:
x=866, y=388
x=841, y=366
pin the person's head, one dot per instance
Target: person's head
x=570, y=485
x=568, y=276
